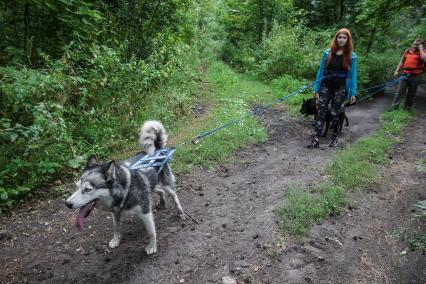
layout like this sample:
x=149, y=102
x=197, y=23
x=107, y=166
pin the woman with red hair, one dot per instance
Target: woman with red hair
x=336, y=80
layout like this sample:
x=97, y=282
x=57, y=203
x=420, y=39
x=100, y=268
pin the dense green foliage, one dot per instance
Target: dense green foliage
x=78, y=77
x=290, y=40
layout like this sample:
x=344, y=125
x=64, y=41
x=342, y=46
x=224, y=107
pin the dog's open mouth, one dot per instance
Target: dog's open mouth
x=84, y=212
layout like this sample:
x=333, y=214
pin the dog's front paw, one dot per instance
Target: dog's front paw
x=114, y=242
x=151, y=249
x=181, y=216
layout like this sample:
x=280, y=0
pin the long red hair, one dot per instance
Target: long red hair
x=347, y=51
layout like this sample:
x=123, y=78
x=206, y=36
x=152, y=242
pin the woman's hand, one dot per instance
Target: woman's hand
x=395, y=74
x=353, y=100
x=316, y=95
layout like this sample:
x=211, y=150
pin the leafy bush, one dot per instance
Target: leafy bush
x=79, y=78
x=376, y=68
x=290, y=50
x=89, y=101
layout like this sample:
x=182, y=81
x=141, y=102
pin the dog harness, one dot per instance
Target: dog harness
x=158, y=160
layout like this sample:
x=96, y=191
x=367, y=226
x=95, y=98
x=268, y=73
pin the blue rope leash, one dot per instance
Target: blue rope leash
x=383, y=86
x=200, y=136
x=377, y=86
x=162, y=156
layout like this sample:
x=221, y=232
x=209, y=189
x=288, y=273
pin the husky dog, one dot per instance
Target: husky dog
x=309, y=107
x=113, y=186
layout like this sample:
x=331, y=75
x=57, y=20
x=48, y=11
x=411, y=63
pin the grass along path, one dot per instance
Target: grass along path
x=351, y=169
x=228, y=96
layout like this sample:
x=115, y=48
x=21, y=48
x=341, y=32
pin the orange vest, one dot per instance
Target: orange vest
x=413, y=64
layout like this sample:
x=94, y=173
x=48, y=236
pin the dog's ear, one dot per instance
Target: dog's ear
x=91, y=161
x=111, y=171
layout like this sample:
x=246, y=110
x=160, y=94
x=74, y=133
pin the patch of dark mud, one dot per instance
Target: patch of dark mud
x=199, y=109
x=364, y=244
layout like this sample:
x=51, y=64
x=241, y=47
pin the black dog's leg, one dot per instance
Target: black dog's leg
x=315, y=118
x=341, y=119
x=327, y=123
x=346, y=119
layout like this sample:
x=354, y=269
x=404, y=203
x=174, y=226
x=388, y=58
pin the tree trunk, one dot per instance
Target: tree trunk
x=271, y=18
x=370, y=41
x=15, y=18
x=26, y=23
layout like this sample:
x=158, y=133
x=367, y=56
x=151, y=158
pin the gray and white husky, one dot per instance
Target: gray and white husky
x=114, y=187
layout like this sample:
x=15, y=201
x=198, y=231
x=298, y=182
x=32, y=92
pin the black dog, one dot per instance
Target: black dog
x=309, y=107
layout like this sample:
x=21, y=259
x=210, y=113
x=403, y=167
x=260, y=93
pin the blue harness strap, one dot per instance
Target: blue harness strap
x=158, y=160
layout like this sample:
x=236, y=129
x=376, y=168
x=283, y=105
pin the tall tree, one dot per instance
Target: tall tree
x=375, y=17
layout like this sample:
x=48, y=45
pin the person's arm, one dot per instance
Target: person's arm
x=400, y=64
x=422, y=53
x=352, y=89
x=320, y=72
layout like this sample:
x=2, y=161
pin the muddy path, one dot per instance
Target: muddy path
x=237, y=234
x=365, y=244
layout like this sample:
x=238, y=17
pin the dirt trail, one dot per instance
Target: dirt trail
x=364, y=244
x=237, y=235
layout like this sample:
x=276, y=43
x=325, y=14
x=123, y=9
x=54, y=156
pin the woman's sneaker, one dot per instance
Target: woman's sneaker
x=334, y=142
x=314, y=143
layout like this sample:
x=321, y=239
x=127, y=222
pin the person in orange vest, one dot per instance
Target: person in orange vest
x=413, y=65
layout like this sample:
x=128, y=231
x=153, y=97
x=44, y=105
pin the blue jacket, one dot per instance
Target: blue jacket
x=350, y=78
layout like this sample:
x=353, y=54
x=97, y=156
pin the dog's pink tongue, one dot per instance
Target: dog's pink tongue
x=79, y=221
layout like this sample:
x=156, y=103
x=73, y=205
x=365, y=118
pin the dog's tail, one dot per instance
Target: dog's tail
x=152, y=136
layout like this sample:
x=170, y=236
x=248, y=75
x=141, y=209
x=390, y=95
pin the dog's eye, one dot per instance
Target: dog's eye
x=87, y=189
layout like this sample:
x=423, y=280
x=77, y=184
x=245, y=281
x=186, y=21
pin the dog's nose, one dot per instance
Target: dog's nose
x=68, y=204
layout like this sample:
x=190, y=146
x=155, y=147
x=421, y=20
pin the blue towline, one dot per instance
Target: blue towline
x=162, y=156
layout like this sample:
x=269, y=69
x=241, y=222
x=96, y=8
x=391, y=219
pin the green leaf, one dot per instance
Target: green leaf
x=4, y=196
x=13, y=137
x=76, y=162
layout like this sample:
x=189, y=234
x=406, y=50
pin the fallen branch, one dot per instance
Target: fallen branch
x=193, y=219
